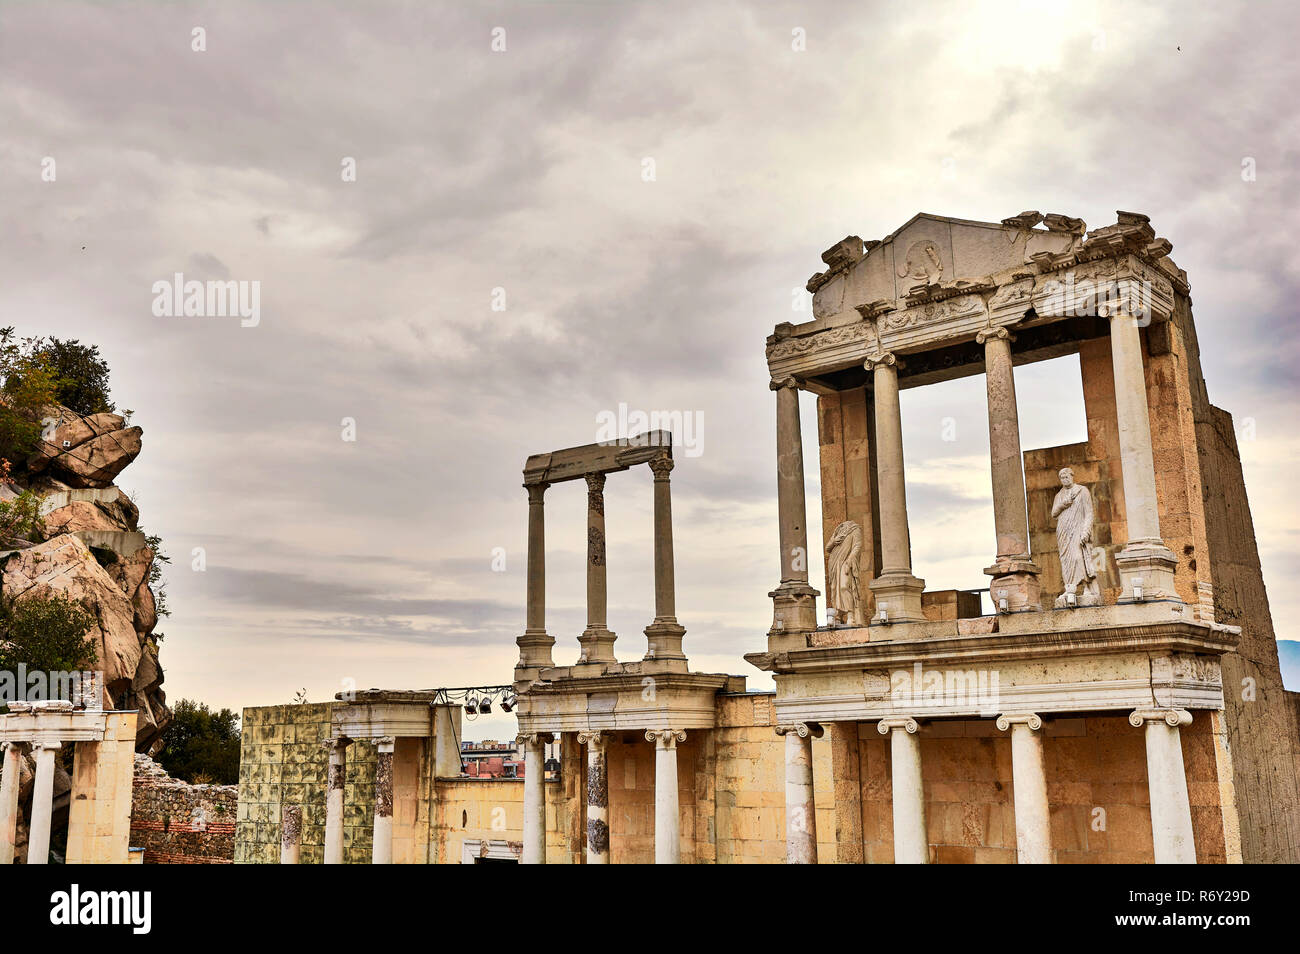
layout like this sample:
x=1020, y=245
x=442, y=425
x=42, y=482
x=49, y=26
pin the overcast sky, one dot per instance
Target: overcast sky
x=523, y=170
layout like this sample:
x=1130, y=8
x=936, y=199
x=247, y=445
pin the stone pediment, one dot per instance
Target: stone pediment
x=938, y=281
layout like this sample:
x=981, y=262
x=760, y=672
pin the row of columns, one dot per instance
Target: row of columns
x=663, y=635
x=381, y=849
x=1171, y=813
x=668, y=826
x=1014, y=574
x=38, y=829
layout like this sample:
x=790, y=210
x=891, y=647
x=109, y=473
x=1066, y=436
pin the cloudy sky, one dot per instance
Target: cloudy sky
x=517, y=176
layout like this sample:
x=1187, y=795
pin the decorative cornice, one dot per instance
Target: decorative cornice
x=1008, y=719
x=1173, y=717
x=909, y=724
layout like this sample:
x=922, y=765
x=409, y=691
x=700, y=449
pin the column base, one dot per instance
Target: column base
x=900, y=595
x=664, y=639
x=1151, y=562
x=794, y=609
x=1016, y=581
x=597, y=646
x=535, y=649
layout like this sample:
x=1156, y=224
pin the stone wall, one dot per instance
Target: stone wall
x=99, y=814
x=181, y=824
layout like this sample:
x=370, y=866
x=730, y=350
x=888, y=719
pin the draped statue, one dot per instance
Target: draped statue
x=1072, y=511
x=843, y=598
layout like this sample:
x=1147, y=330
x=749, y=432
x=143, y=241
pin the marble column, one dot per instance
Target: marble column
x=1171, y=810
x=9, y=784
x=597, y=641
x=800, y=807
x=794, y=600
x=334, y=790
x=38, y=832
x=534, y=850
x=911, y=841
x=381, y=848
x=597, y=797
x=1145, y=557
x=535, y=644
x=664, y=635
x=1029, y=781
x=897, y=591
x=668, y=823
x=290, y=834
x=1015, y=575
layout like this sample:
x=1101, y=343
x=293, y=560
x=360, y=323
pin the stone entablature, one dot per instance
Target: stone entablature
x=937, y=282
x=629, y=702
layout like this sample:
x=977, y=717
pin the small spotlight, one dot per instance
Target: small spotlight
x=484, y=707
x=507, y=703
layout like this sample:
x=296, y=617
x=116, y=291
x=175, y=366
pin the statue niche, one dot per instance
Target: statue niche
x=843, y=596
x=1072, y=511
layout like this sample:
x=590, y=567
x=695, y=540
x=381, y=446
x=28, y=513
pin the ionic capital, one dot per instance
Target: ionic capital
x=801, y=729
x=777, y=384
x=46, y=746
x=665, y=738
x=661, y=467
x=908, y=724
x=1171, y=717
x=987, y=334
x=596, y=737
x=336, y=744
x=1008, y=719
x=882, y=359
x=532, y=738
x=384, y=744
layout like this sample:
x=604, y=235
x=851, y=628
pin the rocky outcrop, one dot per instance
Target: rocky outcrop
x=94, y=552
x=86, y=451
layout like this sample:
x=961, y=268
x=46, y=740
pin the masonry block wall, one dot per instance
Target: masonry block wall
x=181, y=824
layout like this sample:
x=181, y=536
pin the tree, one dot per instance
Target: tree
x=201, y=745
x=46, y=634
x=81, y=374
x=29, y=386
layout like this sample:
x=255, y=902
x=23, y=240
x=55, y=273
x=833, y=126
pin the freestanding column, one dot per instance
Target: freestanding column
x=794, y=601
x=1015, y=575
x=597, y=641
x=534, y=852
x=668, y=823
x=334, y=785
x=800, y=808
x=911, y=842
x=1145, y=557
x=535, y=644
x=1171, y=810
x=664, y=635
x=897, y=591
x=381, y=849
x=290, y=834
x=1029, y=780
x=13, y=763
x=597, y=797
x=38, y=833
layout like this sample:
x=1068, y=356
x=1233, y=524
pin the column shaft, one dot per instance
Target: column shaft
x=1010, y=517
x=664, y=635
x=290, y=834
x=534, y=850
x=791, y=505
x=597, y=641
x=1029, y=782
x=668, y=824
x=38, y=833
x=334, y=791
x=13, y=760
x=597, y=797
x=381, y=849
x=535, y=645
x=1171, y=811
x=911, y=841
x=800, y=806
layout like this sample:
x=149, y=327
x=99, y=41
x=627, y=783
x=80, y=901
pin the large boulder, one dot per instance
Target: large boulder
x=86, y=451
x=64, y=564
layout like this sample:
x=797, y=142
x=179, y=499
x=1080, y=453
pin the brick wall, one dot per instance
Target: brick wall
x=181, y=824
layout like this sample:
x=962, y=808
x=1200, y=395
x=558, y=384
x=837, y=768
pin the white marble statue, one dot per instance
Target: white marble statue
x=843, y=597
x=1072, y=511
